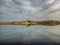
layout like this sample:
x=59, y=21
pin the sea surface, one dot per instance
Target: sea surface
x=29, y=34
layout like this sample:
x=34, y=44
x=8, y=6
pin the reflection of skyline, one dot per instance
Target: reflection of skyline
x=12, y=10
x=12, y=34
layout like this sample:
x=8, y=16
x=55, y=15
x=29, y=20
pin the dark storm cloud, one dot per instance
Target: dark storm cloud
x=37, y=3
x=1, y=2
x=17, y=2
x=41, y=4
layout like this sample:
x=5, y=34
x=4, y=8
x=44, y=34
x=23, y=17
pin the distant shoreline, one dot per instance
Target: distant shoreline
x=30, y=22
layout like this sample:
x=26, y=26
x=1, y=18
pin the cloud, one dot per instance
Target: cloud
x=55, y=15
x=50, y=1
x=56, y=6
x=39, y=9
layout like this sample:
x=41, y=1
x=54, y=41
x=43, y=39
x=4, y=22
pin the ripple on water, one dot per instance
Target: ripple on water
x=15, y=33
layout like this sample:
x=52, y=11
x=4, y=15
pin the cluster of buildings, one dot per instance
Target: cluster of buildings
x=29, y=22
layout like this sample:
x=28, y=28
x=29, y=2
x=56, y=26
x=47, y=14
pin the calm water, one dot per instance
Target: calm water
x=13, y=33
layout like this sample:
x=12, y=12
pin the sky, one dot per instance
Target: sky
x=16, y=10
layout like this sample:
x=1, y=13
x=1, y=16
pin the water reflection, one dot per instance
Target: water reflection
x=13, y=33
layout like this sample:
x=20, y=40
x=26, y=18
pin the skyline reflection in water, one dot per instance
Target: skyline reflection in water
x=30, y=34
